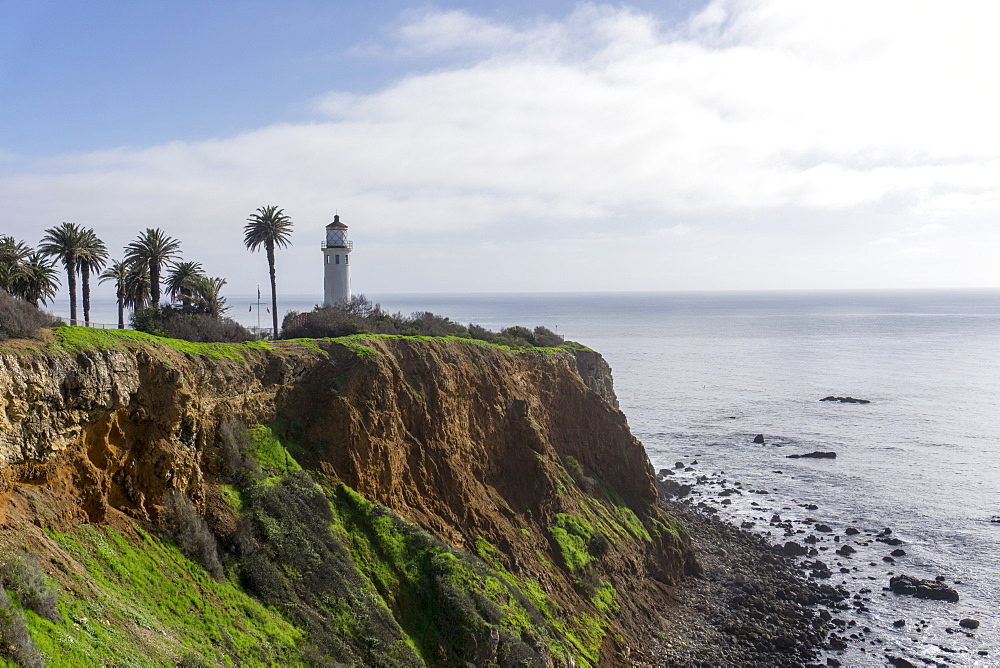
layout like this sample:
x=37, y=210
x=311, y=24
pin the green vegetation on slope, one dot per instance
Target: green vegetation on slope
x=397, y=595
x=140, y=604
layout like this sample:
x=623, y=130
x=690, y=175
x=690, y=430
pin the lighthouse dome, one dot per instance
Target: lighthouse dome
x=336, y=224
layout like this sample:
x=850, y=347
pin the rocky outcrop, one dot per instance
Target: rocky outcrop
x=911, y=586
x=470, y=442
x=814, y=455
x=846, y=400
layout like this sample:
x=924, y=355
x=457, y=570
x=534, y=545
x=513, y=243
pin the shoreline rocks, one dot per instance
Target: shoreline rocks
x=749, y=606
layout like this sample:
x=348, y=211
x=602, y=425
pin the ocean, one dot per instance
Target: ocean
x=700, y=374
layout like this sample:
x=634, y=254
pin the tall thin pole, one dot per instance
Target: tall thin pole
x=258, y=309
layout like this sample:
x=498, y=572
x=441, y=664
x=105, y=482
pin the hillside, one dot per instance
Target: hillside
x=370, y=500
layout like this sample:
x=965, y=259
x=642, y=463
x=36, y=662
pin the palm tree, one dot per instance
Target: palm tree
x=13, y=254
x=39, y=280
x=65, y=242
x=181, y=273
x=206, y=295
x=137, y=286
x=92, y=259
x=268, y=227
x=154, y=249
x=118, y=272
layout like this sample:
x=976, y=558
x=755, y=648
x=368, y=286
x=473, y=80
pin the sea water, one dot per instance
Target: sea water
x=700, y=374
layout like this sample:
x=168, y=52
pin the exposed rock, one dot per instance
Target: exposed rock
x=793, y=549
x=814, y=455
x=969, y=624
x=898, y=552
x=911, y=586
x=759, y=438
x=672, y=489
x=846, y=400
x=465, y=441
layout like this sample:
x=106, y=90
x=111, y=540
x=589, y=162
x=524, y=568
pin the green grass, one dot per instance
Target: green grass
x=171, y=606
x=445, y=598
x=269, y=449
x=578, y=638
x=605, y=598
x=573, y=536
x=88, y=338
x=355, y=342
x=232, y=497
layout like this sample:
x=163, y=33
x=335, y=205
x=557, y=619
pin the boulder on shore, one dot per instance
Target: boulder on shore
x=814, y=455
x=672, y=489
x=911, y=586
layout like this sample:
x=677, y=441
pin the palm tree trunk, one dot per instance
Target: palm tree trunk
x=85, y=272
x=121, y=308
x=154, y=283
x=274, y=289
x=71, y=283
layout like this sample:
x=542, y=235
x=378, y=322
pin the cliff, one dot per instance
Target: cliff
x=462, y=502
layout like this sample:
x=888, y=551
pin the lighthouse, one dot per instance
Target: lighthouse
x=336, y=263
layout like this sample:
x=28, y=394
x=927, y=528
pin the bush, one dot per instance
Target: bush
x=234, y=446
x=23, y=576
x=16, y=641
x=191, y=533
x=359, y=315
x=177, y=323
x=291, y=559
x=21, y=320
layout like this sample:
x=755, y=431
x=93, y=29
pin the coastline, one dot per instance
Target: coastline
x=748, y=606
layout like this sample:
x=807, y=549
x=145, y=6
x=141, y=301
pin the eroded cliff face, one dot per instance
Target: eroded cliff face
x=478, y=445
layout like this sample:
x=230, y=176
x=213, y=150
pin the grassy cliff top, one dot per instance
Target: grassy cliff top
x=88, y=338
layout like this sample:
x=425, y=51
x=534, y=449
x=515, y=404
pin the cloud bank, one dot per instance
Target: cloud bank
x=760, y=144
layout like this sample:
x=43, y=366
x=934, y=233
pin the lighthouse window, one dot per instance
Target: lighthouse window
x=328, y=259
x=337, y=261
x=346, y=258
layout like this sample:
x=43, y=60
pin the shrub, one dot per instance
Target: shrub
x=191, y=533
x=21, y=320
x=359, y=315
x=178, y=323
x=16, y=641
x=23, y=576
x=234, y=446
x=291, y=558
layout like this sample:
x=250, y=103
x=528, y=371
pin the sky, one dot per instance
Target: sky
x=518, y=146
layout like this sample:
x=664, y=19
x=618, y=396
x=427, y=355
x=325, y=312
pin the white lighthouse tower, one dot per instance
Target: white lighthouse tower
x=336, y=263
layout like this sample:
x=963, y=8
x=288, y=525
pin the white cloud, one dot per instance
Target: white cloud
x=780, y=128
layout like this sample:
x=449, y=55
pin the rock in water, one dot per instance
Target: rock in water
x=814, y=455
x=969, y=623
x=846, y=400
x=911, y=586
x=759, y=438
